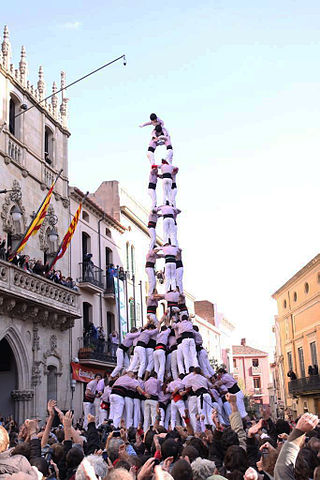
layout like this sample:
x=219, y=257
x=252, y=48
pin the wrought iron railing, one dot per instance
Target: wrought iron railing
x=305, y=385
x=90, y=273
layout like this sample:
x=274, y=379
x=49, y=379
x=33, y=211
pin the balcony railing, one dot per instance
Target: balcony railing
x=90, y=275
x=92, y=350
x=305, y=385
x=24, y=294
x=14, y=150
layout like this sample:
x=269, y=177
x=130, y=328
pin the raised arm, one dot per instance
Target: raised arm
x=45, y=436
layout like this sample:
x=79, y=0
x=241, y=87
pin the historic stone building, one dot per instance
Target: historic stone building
x=36, y=315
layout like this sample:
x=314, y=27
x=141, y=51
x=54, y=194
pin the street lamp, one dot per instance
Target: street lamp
x=53, y=235
x=16, y=214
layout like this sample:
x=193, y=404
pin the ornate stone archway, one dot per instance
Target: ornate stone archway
x=23, y=395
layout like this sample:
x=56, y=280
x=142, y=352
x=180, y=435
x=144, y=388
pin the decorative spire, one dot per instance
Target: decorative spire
x=6, y=48
x=63, y=83
x=23, y=66
x=41, y=84
x=63, y=106
x=54, y=100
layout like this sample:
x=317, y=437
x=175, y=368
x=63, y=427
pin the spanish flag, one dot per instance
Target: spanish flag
x=37, y=221
x=68, y=236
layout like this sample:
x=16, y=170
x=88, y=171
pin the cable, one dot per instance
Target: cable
x=73, y=83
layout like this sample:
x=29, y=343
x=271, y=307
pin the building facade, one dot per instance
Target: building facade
x=297, y=328
x=36, y=314
x=251, y=369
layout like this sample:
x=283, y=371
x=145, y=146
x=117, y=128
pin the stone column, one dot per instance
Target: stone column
x=22, y=404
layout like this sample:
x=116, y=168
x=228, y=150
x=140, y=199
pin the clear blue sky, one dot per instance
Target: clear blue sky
x=237, y=84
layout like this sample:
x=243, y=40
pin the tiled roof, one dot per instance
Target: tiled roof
x=246, y=350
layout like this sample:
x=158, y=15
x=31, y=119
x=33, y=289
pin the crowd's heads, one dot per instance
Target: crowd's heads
x=236, y=459
x=74, y=457
x=190, y=452
x=228, y=438
x=169, y=448
x=97, y=463
x=282, y=427
x=181, y=469
x=202, y=468
x=305, y=465
x=113, y=448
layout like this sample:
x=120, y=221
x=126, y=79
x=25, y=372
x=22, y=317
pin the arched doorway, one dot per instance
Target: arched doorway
x=8, y=377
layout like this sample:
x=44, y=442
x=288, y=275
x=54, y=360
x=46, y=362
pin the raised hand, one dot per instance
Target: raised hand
x=255, y=428
x=307, y=422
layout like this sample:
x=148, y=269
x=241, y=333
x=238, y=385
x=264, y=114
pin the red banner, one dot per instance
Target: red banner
x=84, y=374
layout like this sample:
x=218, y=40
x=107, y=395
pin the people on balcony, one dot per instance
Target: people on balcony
x=292, y=375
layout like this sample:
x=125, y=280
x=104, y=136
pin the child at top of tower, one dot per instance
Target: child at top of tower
x=154, y=120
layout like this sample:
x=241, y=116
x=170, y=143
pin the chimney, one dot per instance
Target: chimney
x=243, y=342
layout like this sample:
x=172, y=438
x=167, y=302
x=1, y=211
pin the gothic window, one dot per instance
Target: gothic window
x=12, y=114
x=48, y=145
x=51, y=383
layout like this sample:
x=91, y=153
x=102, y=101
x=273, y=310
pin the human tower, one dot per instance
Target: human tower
x=169, y=370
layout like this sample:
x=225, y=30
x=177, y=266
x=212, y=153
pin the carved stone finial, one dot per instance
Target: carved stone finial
x=41, y=84
x=6, y=48
x=63, y=83
x=23, y=66
x=54, y=100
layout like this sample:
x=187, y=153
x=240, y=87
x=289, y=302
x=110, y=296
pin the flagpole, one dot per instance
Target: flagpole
x=60, y=246
x=13, y=254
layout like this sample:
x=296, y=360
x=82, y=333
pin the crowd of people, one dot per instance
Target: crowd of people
x=250, y=449
x=32, y=265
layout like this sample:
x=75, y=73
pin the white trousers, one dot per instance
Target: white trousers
x=179, y=277
x=204, y=406
x=169, y=155
x=159, y=359
x=165, y=416
x=169, y=231
x=189, y=353
x=136, y=412
x=174, y=365
x=151, y=280
x=173, y=196
x=176, y=407
x=88, y=407
x=204, y=363
x=128, y=411
x=153, y=195
x=149, y=357
x=103, y=415
x=141, y=359
x=96, y=404
x=170, y=276
x=150, y=156
x=117, y=404
x=122, y=362
x=167, y=187
x=180, y=359
x=193, y=411
x=150, y=411
x=152, y=235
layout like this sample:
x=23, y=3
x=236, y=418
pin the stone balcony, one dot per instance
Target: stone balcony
x=25, y=295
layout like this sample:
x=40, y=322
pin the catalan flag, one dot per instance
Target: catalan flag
x=68, y=236
x=37, y=221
